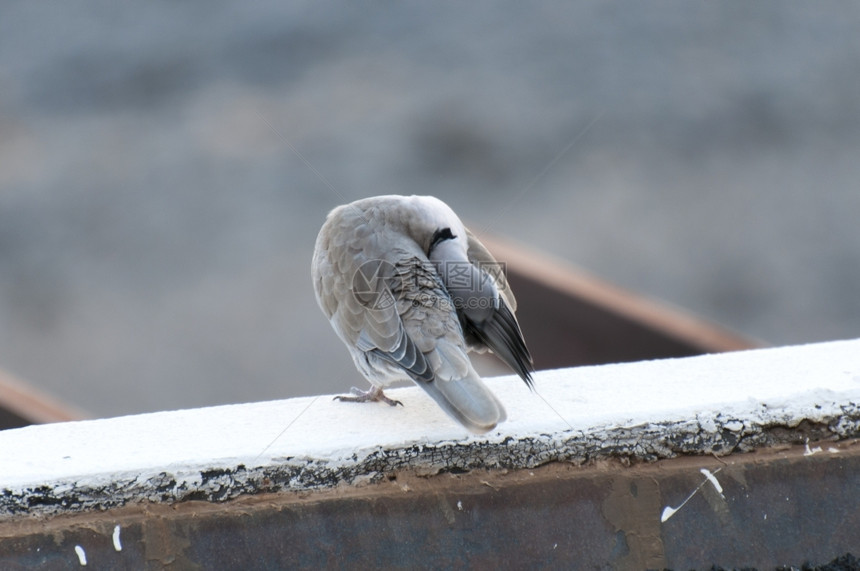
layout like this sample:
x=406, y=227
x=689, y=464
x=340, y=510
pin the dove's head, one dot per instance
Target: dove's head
x=436, y=228
x=428, y=222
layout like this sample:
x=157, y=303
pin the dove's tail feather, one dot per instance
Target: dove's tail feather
x=468, y=401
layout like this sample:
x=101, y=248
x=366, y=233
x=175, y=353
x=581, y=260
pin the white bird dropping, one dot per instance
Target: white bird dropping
x=116, y=542
x=82, y=555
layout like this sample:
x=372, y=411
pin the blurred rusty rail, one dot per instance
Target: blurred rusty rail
x=22, y=405
x=572, y=318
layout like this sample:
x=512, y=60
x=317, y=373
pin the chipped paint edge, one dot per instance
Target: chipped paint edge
x=704, y=434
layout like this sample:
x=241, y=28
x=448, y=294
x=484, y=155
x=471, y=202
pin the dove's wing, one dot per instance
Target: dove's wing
x=493, y=325
x=428, y=315
x=354, y=289
x=481, y=257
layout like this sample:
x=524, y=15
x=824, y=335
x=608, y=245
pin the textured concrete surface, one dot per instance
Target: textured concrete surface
x=716, y=404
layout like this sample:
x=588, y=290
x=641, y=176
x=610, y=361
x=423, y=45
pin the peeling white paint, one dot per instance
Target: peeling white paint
x=459, y=505
x=810, y=451
x=734, y=426
x=713, y=480
x=669, y=511
x=117, y=545
x=82, y=555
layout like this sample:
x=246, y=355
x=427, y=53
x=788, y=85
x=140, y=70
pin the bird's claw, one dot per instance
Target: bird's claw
x=374, y=394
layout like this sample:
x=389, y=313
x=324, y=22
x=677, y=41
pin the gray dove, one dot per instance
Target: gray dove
x=410, y=291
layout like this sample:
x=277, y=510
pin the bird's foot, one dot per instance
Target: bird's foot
x=374, y=394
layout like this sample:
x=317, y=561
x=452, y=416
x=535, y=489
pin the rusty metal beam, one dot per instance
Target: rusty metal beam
x=774, y=507
x=612, y=467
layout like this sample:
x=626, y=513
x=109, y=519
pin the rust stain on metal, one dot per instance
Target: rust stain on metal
x=630, y=507
x=165, y=543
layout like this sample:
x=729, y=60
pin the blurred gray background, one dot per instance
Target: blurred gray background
x=156, y=227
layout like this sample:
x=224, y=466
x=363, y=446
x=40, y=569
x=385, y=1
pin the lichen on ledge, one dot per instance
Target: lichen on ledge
x=713, y=404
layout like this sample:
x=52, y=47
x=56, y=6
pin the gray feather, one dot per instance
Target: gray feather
x=468, y=401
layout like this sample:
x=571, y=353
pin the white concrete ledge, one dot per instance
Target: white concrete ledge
x=649, y=410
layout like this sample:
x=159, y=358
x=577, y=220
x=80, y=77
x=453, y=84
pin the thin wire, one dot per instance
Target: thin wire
x=542, y=173
x=269, y=445
x=669, y=511
x=309, y=165
x=301, y=156
x=558, y=414
x=510, y=204
x=525, y=190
